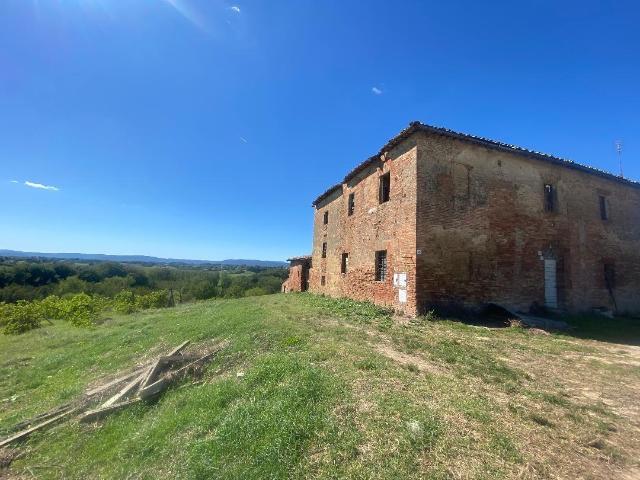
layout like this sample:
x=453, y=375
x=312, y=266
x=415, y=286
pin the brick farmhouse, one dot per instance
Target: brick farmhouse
x=443, y=219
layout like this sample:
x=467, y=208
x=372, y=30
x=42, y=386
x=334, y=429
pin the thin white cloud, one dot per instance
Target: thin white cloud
x=41, y=186
x=235, y=8
x=184, y=9
x=15, y=181
x=244, y=140
x=376, y=91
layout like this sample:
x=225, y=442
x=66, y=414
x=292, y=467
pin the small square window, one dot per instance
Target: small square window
x=324, y=250
x=381, y=265
x=344, y=265
x=352, y=204
x=322, y=280
x=604, y=211
x=385, y=187
x=549, y=198
x=326, y=217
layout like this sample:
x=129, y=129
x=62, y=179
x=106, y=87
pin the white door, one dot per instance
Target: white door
x=550, y=285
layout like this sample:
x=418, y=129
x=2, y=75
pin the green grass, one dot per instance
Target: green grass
x=328, y=389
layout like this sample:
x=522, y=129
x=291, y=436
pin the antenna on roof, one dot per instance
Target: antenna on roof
x=618, y=144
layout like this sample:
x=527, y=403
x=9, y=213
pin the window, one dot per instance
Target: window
x=352, y=204
x=549, y=198
x=381, y=265
x=604, y=213
x=609, y=276
x=324, y=250
x=385, y=187
x=322, y=280
x=326, y=217
x=345, y=263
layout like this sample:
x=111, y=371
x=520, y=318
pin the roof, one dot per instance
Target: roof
x=301, y=258
x=484, y=142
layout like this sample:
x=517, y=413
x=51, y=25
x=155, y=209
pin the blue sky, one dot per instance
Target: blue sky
x=204, y=129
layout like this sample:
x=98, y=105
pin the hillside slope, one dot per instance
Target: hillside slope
x=317, y=388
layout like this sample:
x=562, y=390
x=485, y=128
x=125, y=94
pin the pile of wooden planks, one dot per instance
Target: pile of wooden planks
x=141, y=384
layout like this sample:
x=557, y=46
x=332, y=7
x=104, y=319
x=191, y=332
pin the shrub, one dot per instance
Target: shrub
x=82, y=310
x=4, y=312
x=157, y=299
x=51, y=307
x=125, y=302
x=21, y=316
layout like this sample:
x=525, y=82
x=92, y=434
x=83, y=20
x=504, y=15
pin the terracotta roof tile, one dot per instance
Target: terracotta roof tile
x=485, y=142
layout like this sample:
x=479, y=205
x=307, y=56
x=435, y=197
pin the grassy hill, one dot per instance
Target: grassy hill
x=317, y=388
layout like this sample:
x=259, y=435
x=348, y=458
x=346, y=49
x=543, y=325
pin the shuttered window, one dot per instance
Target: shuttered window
x=385, y=187
x=381, y=265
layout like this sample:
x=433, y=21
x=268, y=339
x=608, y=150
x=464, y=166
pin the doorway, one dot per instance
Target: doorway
x=550, y=284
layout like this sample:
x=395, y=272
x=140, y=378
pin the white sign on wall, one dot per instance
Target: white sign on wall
x=402, y=295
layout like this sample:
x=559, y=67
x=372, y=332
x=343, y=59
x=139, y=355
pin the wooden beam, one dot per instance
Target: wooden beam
x=124, y=393
x=179, y=348
x=25, y=433
x=113, y=383
x=159, y=364
x=98, y=413
x=162, y=384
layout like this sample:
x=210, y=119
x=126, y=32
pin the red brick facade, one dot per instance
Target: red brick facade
x=466, y=224
x=298, y=280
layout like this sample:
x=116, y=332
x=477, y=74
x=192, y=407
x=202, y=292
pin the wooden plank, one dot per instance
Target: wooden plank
x=122, y=394
x=179, y=348
x=25, y=433
x=97, y=414
x=151, y=373
x=177, y=358
x=155, y=388
x=113, y=383
x=41, y=417
x=159, y=364
x=162, y=384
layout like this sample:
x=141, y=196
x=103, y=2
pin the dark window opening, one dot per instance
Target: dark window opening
x=604, y=214
x=352, y=204
x=326, y=217
x=609, y=276
x=385, y=187
x=322, y=280
x=324, y=250
x=549, y=198
x=381, y=265
x=344, y=265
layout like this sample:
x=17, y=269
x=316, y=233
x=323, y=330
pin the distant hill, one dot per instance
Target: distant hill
x=139, y=259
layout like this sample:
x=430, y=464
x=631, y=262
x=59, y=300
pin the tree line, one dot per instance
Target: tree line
x=36, y=279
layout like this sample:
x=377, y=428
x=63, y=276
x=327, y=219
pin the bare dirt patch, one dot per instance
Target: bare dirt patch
x=406, y=359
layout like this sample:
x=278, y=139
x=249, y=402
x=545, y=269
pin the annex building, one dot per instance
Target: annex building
x=439, y=218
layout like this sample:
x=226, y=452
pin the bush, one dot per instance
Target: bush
x=20, y=316
x=125, y=302
x=82, y=310
x=157, y=299
x=51, y=307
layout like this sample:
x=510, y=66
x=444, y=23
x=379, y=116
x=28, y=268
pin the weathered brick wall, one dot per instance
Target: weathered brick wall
x=481, y=226
x=389, y=226
x=298, y=276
